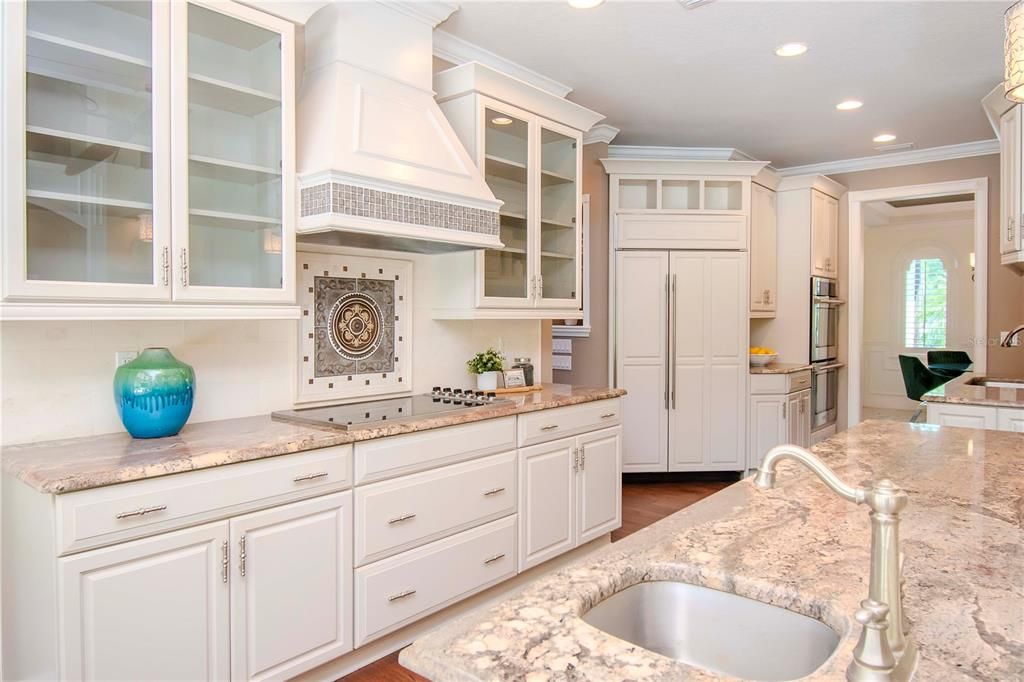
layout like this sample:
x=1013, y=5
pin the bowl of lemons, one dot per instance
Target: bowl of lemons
x=760, y=356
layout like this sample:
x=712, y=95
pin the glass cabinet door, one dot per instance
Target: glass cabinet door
x=233, y=235
x=507, y=271
x=559, y=229
x=96, y=206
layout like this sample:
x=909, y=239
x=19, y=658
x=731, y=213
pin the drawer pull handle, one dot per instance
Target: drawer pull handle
x=607, y=415
x=549, y=427
x=401, y=595
x=491, y=560
x=142, y=512
x=493, y=491
x=310, y=477
x=399, y=519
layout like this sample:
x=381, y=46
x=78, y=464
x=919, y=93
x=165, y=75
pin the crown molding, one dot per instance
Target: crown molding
x=620, y=151
x=894, y=159
x=822, y=183
x=429, y=12
x=602, y=132
x=671, y=166
x=458, y=51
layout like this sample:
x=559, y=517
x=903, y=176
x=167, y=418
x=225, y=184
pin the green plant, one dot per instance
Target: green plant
x=488, y=361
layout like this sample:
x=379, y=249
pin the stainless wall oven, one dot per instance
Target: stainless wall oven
x=824, y=319
x=824, y=394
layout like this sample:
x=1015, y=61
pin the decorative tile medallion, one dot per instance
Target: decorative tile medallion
x=353, y=326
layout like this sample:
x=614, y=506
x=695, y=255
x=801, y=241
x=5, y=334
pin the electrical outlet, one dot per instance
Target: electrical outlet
x=123, y=357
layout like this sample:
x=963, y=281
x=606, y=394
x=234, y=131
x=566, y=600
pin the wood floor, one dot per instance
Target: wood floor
x=643, y=503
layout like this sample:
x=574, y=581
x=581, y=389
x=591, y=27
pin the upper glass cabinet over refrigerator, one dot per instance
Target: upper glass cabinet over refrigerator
x=135, y=172
x=233, y=208
x=92, y=217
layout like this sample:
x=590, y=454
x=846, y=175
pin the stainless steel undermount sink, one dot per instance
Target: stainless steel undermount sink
x=996, y=383
x=718, y=631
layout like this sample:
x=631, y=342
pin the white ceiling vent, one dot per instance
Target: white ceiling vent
x=898, y=147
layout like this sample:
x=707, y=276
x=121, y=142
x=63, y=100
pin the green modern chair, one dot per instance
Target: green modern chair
x=918, y=380
x=949, y=363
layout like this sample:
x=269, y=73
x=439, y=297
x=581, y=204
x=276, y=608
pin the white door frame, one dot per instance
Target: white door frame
x=855, y=327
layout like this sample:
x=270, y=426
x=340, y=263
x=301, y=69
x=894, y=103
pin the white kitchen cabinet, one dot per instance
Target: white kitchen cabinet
x=763, y=252
x=142, y=179
x=1008, y=419
x=780, y=413
x=291, y=592
x=547, y=496
x=1010, y=179
x=599, y=484
x=570, y=493
x=824, y=235
x=148, y=608
x=531, y=157
x=966, y=416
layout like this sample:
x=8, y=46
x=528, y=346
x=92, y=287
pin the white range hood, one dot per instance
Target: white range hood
x=379, y=165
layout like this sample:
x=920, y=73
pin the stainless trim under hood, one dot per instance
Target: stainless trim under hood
x=379, y=165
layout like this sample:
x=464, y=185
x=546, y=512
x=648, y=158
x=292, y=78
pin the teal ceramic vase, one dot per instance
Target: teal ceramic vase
x=154, y=393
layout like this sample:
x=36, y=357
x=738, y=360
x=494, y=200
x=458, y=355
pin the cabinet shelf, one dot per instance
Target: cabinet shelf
x=557, y=223
x=43, y=196
x=507, y=169
x=89, y=139
x=225, y=96
x=233, y=171
x=556, y=255
x=234, y=220
x=129, y=72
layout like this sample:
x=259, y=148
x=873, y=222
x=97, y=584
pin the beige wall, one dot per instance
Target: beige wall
x=1005, y=286
x=590, y=355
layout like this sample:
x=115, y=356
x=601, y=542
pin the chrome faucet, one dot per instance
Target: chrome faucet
x=884, y=651
x=1008, y=339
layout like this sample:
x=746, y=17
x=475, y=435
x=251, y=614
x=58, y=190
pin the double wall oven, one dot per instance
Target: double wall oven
x=825, y=363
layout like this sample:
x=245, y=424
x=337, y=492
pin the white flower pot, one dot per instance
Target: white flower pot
x=487, y=381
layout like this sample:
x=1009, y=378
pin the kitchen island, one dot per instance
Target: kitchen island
x=797, y=546
x=977, y=401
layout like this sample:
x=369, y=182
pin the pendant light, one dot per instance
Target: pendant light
x=1013, y=53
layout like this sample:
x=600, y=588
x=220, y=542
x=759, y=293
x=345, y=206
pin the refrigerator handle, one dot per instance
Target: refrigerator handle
x=675, y=323
x=668, y=335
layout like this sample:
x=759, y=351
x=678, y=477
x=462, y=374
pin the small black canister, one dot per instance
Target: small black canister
x=527, y=367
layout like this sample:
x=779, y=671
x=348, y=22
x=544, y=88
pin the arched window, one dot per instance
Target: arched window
x=925, y=303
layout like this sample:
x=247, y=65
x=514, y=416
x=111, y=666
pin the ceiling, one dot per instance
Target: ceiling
x=709, y=77
x=884, y=214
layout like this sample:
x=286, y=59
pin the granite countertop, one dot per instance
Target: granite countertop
x=72, y=464
x=959, y=392
x=781, y=368
x=798, y=546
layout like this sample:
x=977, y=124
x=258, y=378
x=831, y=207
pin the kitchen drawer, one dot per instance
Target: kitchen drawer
x=798, y=381
x=101, y=516
x=403, y=588
x=409, y=511
x=546, y=425
x=383, y=458
x=779, y=384
x=681, y=231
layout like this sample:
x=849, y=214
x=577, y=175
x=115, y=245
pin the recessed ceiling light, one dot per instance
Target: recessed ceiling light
x=584, y=4
x=884, y=137
x=501, y=121
x=791, y=50
x=849, y=105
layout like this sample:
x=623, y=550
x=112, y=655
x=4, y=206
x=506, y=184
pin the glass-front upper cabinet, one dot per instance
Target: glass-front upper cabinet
x=148, y=153
x=94, y=217
x=507, y=272
x=234, y=208
x=559, y=206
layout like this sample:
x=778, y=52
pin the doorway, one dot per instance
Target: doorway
x=918, y=282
